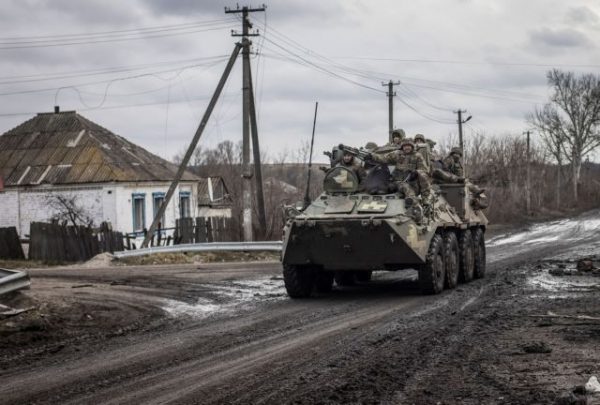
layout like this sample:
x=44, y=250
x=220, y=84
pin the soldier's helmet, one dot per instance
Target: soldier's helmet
x=407, y=142
x=431, y=143
x=456, y=150
x=371, y=146
x=398, y=133
x=420, y=138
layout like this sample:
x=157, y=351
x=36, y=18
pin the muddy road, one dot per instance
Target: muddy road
x=227, y=333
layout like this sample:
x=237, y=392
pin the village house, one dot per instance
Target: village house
x=61, y=160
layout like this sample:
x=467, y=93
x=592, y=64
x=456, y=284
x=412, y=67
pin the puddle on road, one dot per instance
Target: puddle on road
x=231, y=296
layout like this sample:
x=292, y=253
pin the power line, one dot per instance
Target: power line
x=154, y=74
x=127, y=37
x=88, y=35
x=458, y=62
x=97, y=72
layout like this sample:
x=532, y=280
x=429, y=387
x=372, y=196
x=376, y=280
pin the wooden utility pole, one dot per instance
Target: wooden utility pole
x=528, y=178
x=390, y=93
x=460, y=130
x=190, y=150
x=248, y=116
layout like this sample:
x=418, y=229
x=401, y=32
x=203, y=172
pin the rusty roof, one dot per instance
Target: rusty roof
x=67, y=148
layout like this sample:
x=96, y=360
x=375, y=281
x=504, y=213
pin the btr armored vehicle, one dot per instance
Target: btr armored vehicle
x=346, y=233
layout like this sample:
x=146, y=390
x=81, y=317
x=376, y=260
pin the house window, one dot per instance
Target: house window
x=138, y=204
x=158, y=199
x=184, y=204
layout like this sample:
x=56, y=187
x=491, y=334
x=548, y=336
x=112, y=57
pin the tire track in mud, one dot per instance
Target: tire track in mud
x=193, y=377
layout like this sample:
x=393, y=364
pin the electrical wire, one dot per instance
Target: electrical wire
x=98, y=72
x=212, y=63
x=128, y=37
x=456, y=62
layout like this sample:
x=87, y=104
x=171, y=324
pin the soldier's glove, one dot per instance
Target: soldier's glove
x=460, y=180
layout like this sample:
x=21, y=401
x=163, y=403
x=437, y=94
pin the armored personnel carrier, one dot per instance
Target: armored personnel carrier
x=346, y=233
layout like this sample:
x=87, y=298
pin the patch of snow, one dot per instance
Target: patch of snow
x=552, y=283
x=228, y=297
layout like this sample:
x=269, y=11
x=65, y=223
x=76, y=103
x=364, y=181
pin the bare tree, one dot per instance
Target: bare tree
x=571, y=121
x=67, y=209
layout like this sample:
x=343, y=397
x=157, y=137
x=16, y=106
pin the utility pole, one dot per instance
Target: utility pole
x=528, y=178
x=390, y=94
x=460, y=131
x=248, y=116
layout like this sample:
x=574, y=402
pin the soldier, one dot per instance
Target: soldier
x=422, y=147
x=410, y=172
x=452, y=172
x=398, y=135
x=371, y=146
x=348, y=161
x=452, y=163
x=449, y=170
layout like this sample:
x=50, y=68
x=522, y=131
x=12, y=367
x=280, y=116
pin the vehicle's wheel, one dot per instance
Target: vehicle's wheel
x=451, y=259
x=344, y=278
x=479, y=253
x=299, y=281
x=324, y=281
x=432, y=273
x=363, y=276
x=467, y=257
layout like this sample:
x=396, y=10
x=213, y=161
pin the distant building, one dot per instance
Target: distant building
x=64, y=155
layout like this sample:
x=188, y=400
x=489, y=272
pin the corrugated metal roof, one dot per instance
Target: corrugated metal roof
x=66, y=148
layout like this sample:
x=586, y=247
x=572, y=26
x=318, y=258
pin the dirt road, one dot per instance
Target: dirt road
x=227, y=333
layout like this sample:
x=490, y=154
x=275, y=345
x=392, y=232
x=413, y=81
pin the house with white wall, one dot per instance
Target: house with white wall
x=64, y=156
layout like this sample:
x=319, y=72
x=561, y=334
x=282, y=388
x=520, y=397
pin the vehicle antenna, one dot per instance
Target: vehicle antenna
x=312, y=141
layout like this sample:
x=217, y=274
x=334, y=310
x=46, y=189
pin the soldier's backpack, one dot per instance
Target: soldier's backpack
x=378, y=180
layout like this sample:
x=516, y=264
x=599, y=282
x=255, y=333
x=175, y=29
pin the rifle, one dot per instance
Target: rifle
x=359, y=153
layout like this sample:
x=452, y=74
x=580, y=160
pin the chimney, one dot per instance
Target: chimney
x=56, y=109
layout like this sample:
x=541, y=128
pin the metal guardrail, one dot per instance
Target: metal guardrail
x=12, y=280
x=204, y=247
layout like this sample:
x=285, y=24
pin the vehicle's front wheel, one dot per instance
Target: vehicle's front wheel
x=299, y=281
x=432, y=273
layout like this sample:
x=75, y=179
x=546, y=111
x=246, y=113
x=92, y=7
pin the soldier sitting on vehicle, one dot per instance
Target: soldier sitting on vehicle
x=398, y=135
x=409, y=174
x=422, y=147
x=348, y=161
x=451, y=171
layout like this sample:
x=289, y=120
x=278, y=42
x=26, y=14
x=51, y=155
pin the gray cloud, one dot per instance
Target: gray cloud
x=559, y=38
x=583, y=16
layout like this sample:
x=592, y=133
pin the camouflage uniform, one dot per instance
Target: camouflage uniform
x=397, y=133
x=422, y=147
x=450, y=170
x=407, y=164
x=452, y=162
x=356, y=167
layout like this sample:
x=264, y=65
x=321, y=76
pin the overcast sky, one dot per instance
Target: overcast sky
x=152, y=85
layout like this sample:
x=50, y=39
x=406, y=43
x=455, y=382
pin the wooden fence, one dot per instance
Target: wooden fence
x=200, y=229
x=59, y=243
x=10, y=245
